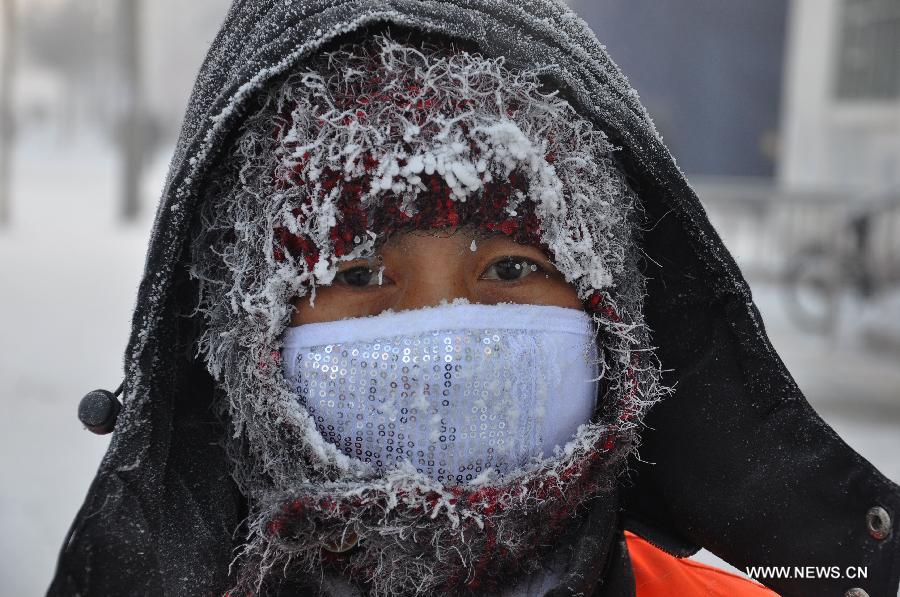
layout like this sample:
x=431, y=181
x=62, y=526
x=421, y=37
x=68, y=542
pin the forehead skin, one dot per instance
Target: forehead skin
x=423, y=268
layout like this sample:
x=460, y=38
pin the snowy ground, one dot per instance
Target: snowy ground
x=69, y=276
x=69, y=279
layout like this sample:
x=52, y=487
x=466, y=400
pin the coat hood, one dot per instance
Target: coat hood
x=735, y=461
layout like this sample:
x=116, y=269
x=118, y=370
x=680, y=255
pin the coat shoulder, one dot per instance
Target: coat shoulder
x=656, y=573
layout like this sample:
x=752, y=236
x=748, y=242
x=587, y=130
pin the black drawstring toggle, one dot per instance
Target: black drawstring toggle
x=99, y=409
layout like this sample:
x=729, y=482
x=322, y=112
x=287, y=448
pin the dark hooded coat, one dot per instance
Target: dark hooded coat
x=736, y=461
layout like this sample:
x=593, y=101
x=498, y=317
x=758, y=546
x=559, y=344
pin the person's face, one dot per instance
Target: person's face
x=422, y=268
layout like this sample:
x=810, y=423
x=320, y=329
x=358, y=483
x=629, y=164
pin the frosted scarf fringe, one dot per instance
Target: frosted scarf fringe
x=398, y=532
x=583, y=203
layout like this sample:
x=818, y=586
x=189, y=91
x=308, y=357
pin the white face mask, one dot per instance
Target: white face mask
x=454, y=390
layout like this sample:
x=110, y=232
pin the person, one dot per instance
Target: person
x=429, y=309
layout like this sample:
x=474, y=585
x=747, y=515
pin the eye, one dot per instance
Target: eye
x=510, y=269
x=359, y=276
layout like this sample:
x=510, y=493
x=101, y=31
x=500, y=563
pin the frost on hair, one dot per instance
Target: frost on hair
x=373, y=128
x=363, y=141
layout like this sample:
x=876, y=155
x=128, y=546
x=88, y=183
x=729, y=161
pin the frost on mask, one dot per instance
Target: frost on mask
x=358, y=143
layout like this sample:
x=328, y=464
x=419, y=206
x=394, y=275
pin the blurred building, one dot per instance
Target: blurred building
x=785, y=114
x=806, y=92
x=841, y=119
x=709, y=72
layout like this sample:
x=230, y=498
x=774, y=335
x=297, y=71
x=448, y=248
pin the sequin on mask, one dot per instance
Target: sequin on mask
x=453, y=403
